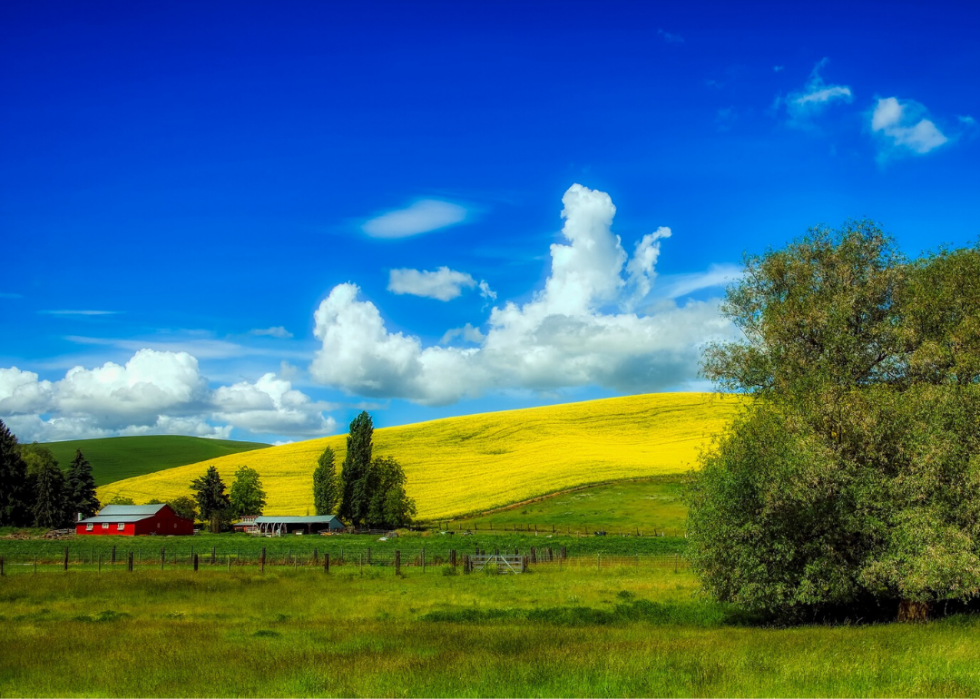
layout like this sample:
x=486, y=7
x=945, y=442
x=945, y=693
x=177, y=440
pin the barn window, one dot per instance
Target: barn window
x=120, y=526
x=105, y=525
x=89, y=527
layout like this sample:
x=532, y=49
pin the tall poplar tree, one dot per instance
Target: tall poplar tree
x=355, y=499
x=325, y=483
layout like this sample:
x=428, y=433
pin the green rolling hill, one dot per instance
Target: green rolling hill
x=117, y=458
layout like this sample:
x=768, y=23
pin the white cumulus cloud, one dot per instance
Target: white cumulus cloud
x=419, y=217
x=572, y=333
x=444, y=284
x=277, y=332
x=903, y=127
x=155, y=392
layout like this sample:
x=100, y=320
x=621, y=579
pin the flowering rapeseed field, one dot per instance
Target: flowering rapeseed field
x=467, y=464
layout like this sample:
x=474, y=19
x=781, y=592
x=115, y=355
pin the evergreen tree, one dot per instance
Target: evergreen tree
x=80, y=488
x=356, y=492
x=212, y=502
x=15, y=498
x=247, y=496
x=50, y=504
x=325, y=483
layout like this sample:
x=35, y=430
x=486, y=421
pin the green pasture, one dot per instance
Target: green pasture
x=650, y=505
x=116, y=458
x=354, y=632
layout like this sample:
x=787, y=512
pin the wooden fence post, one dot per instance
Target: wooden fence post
x=113, y=561
x=398, y=562
x=452, y=559
x=316, y=555
x=66, y=558
x=100, y=561
x=35, y=562
x=360, y=563
x=262, y=561
x=326, y=562
x=195, y=562
x=423, y=559
x=675, y=562
x=129, y=562
x=467, y=564
x=1, y=566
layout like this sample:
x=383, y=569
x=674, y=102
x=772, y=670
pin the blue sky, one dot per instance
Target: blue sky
x=254, y=220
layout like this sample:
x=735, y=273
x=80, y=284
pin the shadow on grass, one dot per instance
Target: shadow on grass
x=692, y=614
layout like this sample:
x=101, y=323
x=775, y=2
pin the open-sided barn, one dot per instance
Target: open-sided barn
x=289, y=525
x=135, y=520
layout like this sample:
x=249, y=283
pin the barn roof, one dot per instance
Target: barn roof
x=316, y=519
x=113, y=519
x=129, y=510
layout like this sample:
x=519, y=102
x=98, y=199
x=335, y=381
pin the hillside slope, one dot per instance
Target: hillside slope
x=465, y=464
x=118, y=458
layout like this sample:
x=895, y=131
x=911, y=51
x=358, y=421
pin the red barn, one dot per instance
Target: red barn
x=135, y=520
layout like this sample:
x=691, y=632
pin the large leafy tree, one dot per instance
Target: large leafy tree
x=213, y=503
x=247, y=496
x=80, y=487
x=390, y=505
x=853, y=478
x=15, y=496
x=325, y=492
x=356, y=490
x=184, y=507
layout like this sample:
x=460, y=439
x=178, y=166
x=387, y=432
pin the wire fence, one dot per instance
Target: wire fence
x=176, y=558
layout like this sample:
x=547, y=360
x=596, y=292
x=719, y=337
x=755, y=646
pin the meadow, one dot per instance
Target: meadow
x=569, y=632
x=467, y=465
x=118, y=458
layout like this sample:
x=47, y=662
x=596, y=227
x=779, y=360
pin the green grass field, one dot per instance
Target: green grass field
x=569, y=632
x=117, y=458
x=650, y=505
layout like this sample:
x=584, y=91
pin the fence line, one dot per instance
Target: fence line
x=420, y=559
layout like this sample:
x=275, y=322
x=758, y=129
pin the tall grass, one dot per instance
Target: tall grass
x=548, y=633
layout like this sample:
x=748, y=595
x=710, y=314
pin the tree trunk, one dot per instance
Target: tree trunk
x=909, y=610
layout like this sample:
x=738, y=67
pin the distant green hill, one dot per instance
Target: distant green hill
x=117, y=458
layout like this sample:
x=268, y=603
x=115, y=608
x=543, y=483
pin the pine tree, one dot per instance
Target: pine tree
x=50, y=505
x=356, y=494
x=325, y=483
x=80, y=488
x=15, y=498
x=213, y=503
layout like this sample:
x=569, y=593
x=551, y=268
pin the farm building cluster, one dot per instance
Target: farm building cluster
x=144, y=520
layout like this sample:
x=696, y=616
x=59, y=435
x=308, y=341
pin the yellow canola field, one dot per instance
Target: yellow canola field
x=461, y=465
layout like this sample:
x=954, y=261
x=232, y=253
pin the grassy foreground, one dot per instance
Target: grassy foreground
x=462, y=465
x=117, y=458
x=549, y=633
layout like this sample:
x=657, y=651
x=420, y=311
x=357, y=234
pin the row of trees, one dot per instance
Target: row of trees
x=370, y=490
x=852, y=480
x=35, y=491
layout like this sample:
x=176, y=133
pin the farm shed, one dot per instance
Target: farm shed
x=288, y=525
x=135, y=520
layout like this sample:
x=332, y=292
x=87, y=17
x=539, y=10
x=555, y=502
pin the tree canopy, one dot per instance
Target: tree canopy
x=80, y=487
x=355, y=499
x=247, y=496
x=853, y=479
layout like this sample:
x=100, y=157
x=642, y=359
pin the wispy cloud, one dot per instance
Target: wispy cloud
x=202, y=348
x=278, y=331
x=903, y=128
x=421, y=216
x=815, y=97
x=670, y=38
x=443, y=284
x=79, y=313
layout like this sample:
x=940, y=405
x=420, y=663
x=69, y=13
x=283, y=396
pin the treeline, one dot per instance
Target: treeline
x=35, y=492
